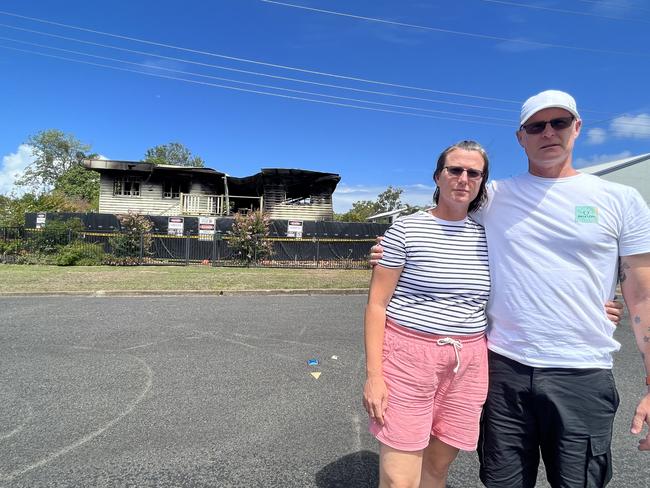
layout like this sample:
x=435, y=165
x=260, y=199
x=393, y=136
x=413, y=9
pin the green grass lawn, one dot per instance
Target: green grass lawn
x=51, y=279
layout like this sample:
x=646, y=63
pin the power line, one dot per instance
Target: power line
x=232, y=58
x=253, y=91
x=260, y=63
x=458, y=33
x=105, y=58
x=614, y=4
x=285, y=78
x=574, y=12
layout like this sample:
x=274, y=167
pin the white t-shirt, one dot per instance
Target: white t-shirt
x=553, y=247
x=445, y=281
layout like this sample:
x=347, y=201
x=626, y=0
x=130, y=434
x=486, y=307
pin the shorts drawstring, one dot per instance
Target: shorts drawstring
x=457, y=347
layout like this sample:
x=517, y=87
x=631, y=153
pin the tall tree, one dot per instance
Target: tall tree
x=79, y=183
x=54, y=153
x=389, y=199
x=173, y=153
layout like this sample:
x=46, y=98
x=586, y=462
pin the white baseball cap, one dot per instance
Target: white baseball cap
x=547, y=99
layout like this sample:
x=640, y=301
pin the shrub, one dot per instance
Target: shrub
x=80, y=254
x=54, y=234
x=247, y=237
x=134, y=238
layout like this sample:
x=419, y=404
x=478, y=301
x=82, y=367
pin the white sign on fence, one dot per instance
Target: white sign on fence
x=294, y=228
x=175, y=226
x=207, y=226
x=41, y=217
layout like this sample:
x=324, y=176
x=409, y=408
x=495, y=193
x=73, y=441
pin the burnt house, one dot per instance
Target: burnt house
x=152, y=189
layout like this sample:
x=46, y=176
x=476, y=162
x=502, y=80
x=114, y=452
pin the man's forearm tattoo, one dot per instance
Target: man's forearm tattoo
x=637, y=319
x=622, y=266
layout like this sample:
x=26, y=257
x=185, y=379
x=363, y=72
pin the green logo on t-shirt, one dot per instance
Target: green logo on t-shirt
x=586, y=214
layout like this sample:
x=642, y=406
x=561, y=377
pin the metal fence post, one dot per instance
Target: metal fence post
x=187, y=249
x=214, y=249
x=317, y=240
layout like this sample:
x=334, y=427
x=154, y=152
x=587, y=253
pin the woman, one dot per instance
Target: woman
x=426, y=356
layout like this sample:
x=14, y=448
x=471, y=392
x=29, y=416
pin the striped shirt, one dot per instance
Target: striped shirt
x=445, y=281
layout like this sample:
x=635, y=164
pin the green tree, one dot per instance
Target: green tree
x=79, y=183
x=359, y=212
x=389, y=199
x=173, y=153
x=55, y=153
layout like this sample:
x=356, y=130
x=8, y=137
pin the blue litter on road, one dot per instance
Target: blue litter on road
x=312, y=362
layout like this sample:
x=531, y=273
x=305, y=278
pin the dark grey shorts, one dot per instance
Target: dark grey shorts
x=566, y=414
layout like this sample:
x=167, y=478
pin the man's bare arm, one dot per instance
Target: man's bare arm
x=634, y=275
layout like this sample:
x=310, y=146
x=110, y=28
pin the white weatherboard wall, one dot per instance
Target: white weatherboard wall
x=149, y=202
x=634, y=172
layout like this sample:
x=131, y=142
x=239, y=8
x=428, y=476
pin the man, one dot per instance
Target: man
x=555, y=237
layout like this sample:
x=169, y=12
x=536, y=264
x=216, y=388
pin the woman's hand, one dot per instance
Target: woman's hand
x=375, y=398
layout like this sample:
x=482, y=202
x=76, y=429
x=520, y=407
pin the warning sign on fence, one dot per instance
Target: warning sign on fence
x=41, y=217
x=207, y=226
x=175, y=226
x=294, y=228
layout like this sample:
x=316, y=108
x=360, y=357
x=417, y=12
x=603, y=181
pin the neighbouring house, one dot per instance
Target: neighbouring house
x=152, y=189
x=633, y=171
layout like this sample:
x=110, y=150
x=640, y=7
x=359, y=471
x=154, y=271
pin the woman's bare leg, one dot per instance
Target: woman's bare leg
x=399, y=469
x=436, y=459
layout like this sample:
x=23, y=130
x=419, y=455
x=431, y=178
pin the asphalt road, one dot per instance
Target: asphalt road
x=208, y=392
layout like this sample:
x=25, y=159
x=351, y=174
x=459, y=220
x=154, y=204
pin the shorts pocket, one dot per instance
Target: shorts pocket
x=389, y=346
x=599, y=461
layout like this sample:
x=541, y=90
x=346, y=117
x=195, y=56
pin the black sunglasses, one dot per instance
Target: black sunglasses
x=560, y=123
x=457, y=172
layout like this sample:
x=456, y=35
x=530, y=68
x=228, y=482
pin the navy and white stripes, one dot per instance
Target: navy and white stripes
x=445, y=282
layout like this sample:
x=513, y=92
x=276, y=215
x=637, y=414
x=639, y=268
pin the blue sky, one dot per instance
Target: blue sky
x=435, y=72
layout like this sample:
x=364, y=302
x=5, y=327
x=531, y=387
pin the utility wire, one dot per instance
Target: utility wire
x=256, y=62
x=614, y=4
x=204, y=83
x=232, y=58
x=297, y=80
x=285, y=78
x=459, y=33
x=559, y=10
x=105, y=58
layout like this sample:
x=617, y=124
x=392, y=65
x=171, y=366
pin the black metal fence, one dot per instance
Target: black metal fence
x=18, y=245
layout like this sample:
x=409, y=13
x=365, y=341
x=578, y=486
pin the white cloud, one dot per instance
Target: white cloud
x=345, y=195
x=600, y=158
x=12, y=166
x=596, y=136
x=631, y=126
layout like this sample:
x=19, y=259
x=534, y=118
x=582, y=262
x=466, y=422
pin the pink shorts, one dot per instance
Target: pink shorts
x=425, y=396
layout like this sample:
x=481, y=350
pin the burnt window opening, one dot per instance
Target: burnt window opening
x=128, y=186
x=173, y=190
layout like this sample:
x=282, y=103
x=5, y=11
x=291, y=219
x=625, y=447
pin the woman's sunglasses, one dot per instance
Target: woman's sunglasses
x=457, y=172
x=560, y=123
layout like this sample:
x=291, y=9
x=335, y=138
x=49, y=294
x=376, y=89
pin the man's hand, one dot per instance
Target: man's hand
x=641, y=416
x=614, y=310
x=376, y=252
